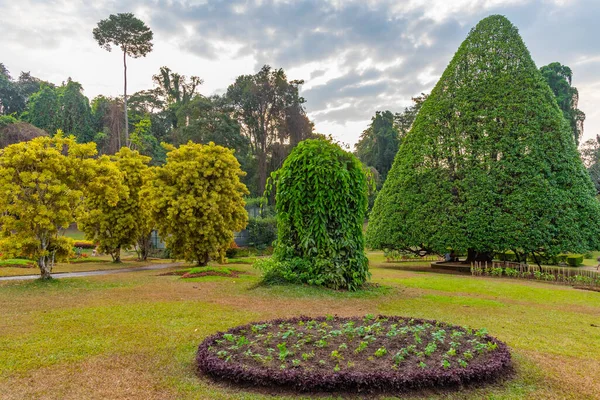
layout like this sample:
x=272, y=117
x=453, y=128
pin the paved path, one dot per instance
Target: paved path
x=91, y=273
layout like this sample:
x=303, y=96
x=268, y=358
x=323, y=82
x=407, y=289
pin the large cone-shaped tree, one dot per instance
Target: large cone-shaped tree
x=490, y=163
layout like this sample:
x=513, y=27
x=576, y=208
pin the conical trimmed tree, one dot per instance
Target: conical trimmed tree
x=489, y=164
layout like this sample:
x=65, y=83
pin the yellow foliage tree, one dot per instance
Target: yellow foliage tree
x=197, y=201
x=118, y=226
x=42, y=185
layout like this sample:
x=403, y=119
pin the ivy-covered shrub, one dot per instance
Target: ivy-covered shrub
x=321, y=203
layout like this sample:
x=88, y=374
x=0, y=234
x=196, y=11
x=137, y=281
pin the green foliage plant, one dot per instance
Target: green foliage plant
x=42, y=186
x=490, y=164
x=197, y=201
x=321, y=203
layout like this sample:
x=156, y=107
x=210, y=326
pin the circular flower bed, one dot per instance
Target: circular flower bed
x=358, y=354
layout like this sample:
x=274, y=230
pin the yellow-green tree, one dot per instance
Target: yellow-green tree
x=42, y=184
x=197, y=201
x=118, y=226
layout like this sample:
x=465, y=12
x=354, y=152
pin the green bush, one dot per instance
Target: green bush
x=507, y=256
x=237, y=252
x=261, y=232
x=575, y=260
x=321, y=205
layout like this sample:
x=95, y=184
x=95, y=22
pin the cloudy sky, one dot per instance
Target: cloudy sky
x=356, y=57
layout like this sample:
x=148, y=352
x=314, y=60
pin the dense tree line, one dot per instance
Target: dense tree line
x=261, y=116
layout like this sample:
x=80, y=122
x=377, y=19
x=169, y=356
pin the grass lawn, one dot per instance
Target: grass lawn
x=135, y=335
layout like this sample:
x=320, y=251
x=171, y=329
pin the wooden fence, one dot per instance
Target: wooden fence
x=564, y=275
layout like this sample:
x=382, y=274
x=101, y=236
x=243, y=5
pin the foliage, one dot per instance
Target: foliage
x=84, y=244
x=379, y=143
x=590, y=155
x=321, y=203
x=559, y=78
x=261, y=231
x=174, y=91
x=332, y=353
x=65, y=108
x=42, y=109
x=42, y=184
x=117, y=226
x=270, y=111
x=490, y=164
x=197, y=201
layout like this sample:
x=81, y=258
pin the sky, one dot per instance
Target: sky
x=356, y=57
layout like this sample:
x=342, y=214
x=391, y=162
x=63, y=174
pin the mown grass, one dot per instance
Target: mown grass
x=135, y=335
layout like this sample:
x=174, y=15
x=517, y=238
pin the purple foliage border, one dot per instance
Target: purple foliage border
x=305, y=381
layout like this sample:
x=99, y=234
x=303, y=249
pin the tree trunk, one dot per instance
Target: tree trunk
x=143, y=247
x=471, y=256
x=203, y=260
x=45, y=268
x=116, y=255
x=125, y=100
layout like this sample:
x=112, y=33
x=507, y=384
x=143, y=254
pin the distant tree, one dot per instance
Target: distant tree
x=14, y=131
x=559, y=79
x=379, y=143
x=134, y=39
x=29, y=84
x=261, y=102
x=405, y=119
x=43, y=183
x=12, y=100
x=107, y=123
x=43, y=108
x=197, y=201
x=489, y=164
x=590, y=155
x=74, y=115
x=175, y=91
x=117, y=226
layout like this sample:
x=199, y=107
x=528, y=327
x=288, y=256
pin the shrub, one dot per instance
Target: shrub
x=321, y=205
x=261, y=231
x=575, y=260
x=237, y=252
x=84, y=244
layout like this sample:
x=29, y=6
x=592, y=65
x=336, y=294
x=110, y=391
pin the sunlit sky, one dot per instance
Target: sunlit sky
x=356, y=57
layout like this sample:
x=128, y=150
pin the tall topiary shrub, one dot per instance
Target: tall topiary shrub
x=490, y=164
x=321, y=203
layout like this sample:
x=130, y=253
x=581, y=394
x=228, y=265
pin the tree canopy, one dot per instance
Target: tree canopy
x=119, y=225
x=42, y=184
x=490, y=163
x=197, y=201
x=379, y=143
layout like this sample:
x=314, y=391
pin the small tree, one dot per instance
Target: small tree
x=134, y=39
x=118, y=226
x=197, y=201
x=321, y=204
x=42, y=184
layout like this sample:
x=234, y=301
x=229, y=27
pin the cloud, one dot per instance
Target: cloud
x=356, y=56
